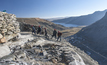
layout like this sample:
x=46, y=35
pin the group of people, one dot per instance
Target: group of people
x=44, y=31
x=34, y=30
x=55, y=33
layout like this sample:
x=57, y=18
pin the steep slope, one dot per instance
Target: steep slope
x=97, y=33
x=92, y=40
x=36, y=22
x=83, y=20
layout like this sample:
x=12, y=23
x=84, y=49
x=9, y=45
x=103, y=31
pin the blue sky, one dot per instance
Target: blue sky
x=52, y=8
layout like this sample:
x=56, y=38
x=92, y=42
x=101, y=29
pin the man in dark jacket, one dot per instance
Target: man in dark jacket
x=54, y=33
x=33, y=29
x=39, y=30
x=59, y=35
x=45, y=32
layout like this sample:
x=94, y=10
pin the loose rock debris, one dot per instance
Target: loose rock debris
x=45, y=53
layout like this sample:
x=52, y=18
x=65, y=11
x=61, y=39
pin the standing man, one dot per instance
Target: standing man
x=33, y=29
x=46, y=33
x=59, y=35
x=39, y=30
x=54, y=33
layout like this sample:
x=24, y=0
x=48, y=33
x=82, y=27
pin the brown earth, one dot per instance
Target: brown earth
x=25, y=25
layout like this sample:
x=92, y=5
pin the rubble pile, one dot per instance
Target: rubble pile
x=9, y=27
x=42, y=52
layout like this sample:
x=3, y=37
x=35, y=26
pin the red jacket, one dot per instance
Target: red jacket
x=59, y=33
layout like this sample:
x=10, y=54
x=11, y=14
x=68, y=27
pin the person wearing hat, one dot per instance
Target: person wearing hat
x=54, y=33
x=39, y=29
x=59, y=35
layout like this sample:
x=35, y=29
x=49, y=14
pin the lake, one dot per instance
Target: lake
x=67, y=25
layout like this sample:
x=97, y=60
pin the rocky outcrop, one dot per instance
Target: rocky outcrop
x=41, y=51
x=9, y=27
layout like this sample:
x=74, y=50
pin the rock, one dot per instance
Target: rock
x=5, y=51
x=1, y=36
x=54, y=60
x=4, y=30
x=1, y=18
x=3, y=40
x=9, y=33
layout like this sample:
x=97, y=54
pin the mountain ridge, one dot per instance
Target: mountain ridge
x=84, y=19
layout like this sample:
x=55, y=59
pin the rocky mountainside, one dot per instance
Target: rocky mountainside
x=29, y=49
x=83, y=20
x=37, y=50
x=25, y=24
x=97, y=33
x=92, y=40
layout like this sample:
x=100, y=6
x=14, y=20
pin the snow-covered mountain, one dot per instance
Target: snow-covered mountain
x=83, y=20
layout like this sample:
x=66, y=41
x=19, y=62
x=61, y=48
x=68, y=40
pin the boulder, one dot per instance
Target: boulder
x=4, y=51
x=3, y=40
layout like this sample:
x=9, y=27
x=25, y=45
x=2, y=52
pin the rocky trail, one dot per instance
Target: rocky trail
x=34, y=50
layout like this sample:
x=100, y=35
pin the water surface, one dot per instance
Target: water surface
x=67, y=25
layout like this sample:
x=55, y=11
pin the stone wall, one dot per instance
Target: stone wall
x=9, y=27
